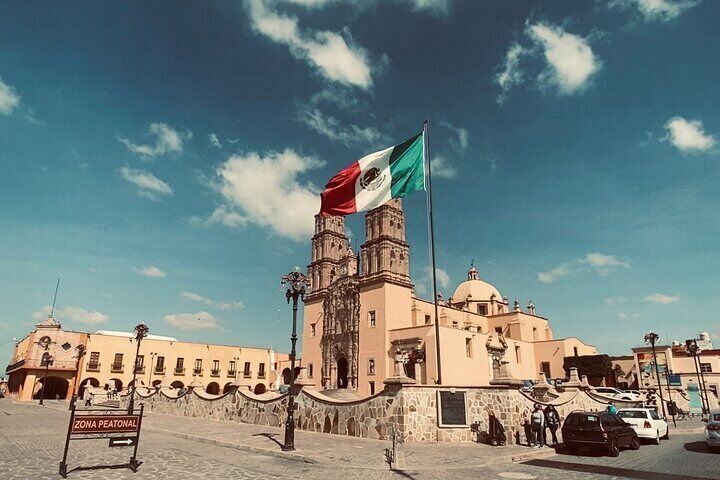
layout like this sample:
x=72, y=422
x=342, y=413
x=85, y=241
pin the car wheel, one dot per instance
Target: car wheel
x=635, y=443
x=656, y=441
x=614, y=448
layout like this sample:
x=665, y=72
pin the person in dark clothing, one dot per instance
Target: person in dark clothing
x=552, y=421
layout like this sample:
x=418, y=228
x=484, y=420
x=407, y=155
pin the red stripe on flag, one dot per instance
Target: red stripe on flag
x=339, y=195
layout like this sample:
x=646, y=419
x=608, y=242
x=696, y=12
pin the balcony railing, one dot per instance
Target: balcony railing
x=231, y=373
x=93, y=367
x=179, y=371
x=261, y=374
x=116, y=368
x=247, y=374
x=197, y=371
x=140, y=370
x=160, y=370
x=215, y=373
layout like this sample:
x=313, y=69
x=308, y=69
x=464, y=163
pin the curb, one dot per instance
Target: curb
x=238, y=446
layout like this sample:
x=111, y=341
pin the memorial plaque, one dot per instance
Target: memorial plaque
x=452, y=408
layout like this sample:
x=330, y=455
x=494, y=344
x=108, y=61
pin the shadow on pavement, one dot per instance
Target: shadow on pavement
x=580, y=452
x=270, y=436
x=618, y=472
x=403, y=474
x=699, y=447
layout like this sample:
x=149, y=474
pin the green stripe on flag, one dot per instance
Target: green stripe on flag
x=406, y=167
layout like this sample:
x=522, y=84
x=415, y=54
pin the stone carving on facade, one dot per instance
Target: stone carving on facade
x=341, y=323
x=496, y=346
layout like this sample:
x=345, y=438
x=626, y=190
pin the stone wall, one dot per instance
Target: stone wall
x=410, y=410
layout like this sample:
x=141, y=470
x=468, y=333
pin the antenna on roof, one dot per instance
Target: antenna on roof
x=55, y=297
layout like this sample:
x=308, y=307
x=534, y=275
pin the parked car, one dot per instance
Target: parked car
x=616, y=394
x=600, y=430
x=712, y=430
x=646, y=422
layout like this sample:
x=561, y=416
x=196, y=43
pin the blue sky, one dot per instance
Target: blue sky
x=164, y=158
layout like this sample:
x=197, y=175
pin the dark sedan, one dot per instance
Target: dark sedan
x=600, y=430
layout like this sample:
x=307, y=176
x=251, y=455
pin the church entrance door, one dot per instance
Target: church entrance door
x=342, y=372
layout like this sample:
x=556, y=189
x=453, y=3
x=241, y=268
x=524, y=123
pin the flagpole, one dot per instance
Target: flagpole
x=426, y=152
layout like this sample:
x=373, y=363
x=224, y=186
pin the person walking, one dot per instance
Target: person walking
x=537, y=424
x=612, y=408
x=552, y=421
x=87, y=396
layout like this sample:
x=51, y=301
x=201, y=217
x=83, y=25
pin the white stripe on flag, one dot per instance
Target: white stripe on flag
x=369, y=198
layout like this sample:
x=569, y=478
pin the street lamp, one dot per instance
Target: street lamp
x=46, y=361
x=141, y=331
x=296, y=284
x=693, y=350
x=80, y=353
x=152, y=363
x=652, y=338
x=671, y=404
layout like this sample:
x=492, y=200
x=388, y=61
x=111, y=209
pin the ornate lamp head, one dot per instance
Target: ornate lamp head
x=296, y=283
x=651, y=338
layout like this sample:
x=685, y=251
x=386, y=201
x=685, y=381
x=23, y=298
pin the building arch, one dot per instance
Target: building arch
x=88, y=382
x=156, y=383
x=177, y=384
x=213, y=388
x=52, y=387
x=118, y=384
x=342, y=372
x=227, y=386
x=259, y=389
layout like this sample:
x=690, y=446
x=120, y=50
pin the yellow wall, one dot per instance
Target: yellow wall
x=555, y=351
x=109, y=345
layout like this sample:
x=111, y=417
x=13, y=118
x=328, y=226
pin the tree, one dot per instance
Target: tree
x=590, y=365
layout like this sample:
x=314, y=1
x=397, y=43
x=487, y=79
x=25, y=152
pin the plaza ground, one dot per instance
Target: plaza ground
x=31, y=443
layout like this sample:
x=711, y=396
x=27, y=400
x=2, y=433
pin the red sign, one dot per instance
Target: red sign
x=105, y=424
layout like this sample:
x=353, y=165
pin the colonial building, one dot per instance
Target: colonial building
x=361, y=309
x=106, y=359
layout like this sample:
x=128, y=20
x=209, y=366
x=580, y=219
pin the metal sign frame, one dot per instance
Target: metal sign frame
x=98, y=433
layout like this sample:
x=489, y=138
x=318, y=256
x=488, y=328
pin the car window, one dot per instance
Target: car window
x=632, y=414
x=716, y=417
x=654, y=415
x=607, y=419
x=572, y=421
x=617, y=420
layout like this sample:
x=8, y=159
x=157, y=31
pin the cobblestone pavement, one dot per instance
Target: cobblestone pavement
x=31, y=442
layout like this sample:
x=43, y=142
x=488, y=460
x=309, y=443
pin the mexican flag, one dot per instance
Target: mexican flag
x=376, y=178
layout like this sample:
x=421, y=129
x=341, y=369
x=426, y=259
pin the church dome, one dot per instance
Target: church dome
x=478, y=289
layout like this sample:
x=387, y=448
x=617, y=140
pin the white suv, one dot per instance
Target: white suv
x=616, y=394
x=646, y=422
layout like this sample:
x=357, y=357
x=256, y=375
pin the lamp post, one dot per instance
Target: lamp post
x=671, y=406
x=692, y=350
x=46, y=361
x=153, y=355
x=141, y=331
x=81, y=352
x=296, y=284
x=652, y=338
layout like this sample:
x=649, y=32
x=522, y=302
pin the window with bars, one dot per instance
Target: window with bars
x=372, y=319
x=371, y=366
x=261, y=370
x=215, y=370
x=246, y=370
x=94, y=362
x=160, y=364
x=117, y=362
x=231, y=368
x=180, y=365
x=468, y=347
x=198, y=366
x=706, y=368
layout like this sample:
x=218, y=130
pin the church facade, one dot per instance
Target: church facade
x=361, y=312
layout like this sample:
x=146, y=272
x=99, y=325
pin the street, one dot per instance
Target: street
x=31, y=443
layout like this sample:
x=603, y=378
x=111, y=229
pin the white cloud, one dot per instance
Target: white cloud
x=264, y=189
x=72, y=313
x=688, y=135
x=562, y=270
x=612, y=301
x=223, y=215
x=662, y=10
x=571, y=62
x=331, y=128
x=441, y=276
x=214, y=140
x=441, y=167
x=192, y=321
x=212, y=303
x=148, y=184
x=511, y=74
x=462, y=142
x=432, y=6
x=9, y=99
x=165, y=139
x=336, y=57
x=629, y=316
x=151, y=271
x=602, y=264
x=662, y=299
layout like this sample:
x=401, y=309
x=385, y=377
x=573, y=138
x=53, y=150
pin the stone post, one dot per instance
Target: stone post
x=585, y=384
x=399, y=378
x=574, y=381
x=541, y=388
